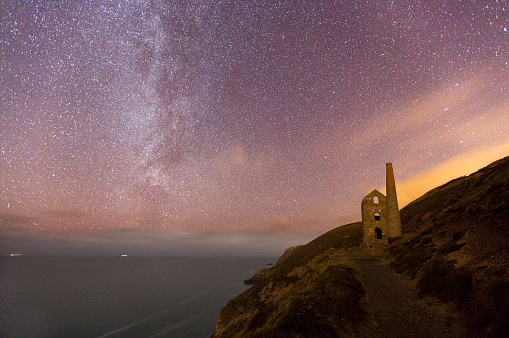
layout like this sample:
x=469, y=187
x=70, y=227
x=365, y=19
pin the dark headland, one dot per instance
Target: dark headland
x=446, y=275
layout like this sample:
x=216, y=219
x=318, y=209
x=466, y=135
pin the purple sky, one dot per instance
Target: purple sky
x=240, y=116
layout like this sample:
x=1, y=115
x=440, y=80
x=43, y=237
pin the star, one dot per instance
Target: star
x=220, y=116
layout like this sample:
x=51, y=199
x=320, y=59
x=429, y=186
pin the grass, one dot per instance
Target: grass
x=440, y=278
x=321, y=294
x=455, y=245
x=450, y=246
x=489, y=309
x=325, y=308
x=411, y=255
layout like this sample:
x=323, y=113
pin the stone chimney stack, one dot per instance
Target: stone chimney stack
x=393, y=218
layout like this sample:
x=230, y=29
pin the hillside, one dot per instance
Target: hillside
x=303, y=294
x=454, y=250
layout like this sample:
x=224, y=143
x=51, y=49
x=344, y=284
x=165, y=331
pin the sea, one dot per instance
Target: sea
x=119, y=296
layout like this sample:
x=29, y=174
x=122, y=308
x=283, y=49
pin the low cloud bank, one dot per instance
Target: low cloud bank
x=143, y=243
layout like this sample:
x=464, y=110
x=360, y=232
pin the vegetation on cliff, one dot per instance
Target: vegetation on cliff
x=315, y=289
x=454, y=248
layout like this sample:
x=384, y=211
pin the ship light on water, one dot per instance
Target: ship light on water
x=15, y=254
x=124, y=255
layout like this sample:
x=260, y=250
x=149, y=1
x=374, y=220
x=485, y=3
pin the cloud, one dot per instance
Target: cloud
x=156, y=243
x=462, y=165
x=64, y=213
x=466, y=110
x=412, y=116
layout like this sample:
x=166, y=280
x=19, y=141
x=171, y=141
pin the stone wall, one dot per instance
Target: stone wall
x=374, y=223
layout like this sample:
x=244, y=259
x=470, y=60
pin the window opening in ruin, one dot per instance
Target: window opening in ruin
x=375, y=200
x=378, y=233
x=377, y=217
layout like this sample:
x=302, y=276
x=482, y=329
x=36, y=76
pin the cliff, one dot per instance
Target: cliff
x=453, y=250
x=315, y=289
x=287, y=253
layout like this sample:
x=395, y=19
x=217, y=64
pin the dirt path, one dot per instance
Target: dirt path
x=397, y=310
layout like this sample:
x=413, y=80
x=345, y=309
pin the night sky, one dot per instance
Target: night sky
x=241, y=116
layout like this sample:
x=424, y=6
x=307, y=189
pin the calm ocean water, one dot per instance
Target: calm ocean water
x=118, y=297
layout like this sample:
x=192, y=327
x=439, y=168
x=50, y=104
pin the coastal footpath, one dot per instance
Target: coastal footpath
x=446, y=275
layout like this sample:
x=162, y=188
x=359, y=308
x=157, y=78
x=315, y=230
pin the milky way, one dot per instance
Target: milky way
x=241, y=115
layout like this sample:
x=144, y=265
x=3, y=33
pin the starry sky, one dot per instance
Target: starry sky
x=241, y=116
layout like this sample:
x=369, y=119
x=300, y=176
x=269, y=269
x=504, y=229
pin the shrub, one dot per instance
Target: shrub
x=489, y=309
x=426, y=232
x=457, y=285
x=441, y=279
x=432, y=279
x=426, y=240
x=409, y=262
x=413, y=242
x=449, y=247
x=458, y=235
x=261, y=317
x=332, y=307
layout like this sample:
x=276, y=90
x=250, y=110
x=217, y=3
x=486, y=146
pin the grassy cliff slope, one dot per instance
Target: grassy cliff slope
x=454, y=248
x=315, y=289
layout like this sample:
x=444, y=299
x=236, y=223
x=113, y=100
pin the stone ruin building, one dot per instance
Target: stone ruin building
x=380, y=216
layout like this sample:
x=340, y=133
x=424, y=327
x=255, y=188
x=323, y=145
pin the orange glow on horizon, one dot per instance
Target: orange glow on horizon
x=465, y=164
